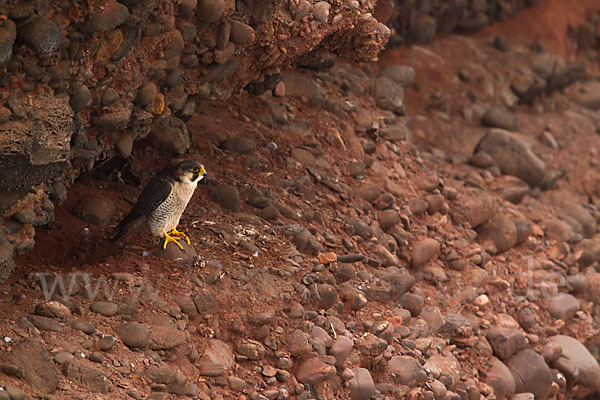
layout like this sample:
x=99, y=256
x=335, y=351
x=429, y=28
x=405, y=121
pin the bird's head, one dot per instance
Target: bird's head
x=190, y=171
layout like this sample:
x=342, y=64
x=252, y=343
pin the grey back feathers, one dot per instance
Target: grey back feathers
x=154, y=194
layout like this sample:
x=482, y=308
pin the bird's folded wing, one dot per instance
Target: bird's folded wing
x=156, y=192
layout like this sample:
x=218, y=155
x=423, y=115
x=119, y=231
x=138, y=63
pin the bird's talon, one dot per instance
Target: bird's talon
x=175, y=232
x=169, y=238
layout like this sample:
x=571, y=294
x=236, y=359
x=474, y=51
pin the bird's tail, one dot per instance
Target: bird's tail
x=120, y=230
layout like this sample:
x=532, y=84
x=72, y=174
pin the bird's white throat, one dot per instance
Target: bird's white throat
x=191, y=183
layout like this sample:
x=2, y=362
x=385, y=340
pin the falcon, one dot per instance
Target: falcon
x=162, y=202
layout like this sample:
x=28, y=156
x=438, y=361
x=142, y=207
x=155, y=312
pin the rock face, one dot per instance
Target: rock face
x=39, y=149
x=217, y=44
x=512, y=155
x=8, y=34
x=420, y=24
x=144, y=43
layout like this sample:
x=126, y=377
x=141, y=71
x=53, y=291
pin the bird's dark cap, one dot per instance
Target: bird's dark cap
x=189, y=165
x=178, y=168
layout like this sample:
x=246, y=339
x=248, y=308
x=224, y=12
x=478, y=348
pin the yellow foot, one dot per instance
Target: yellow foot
x=169, y=238
x=175, y=232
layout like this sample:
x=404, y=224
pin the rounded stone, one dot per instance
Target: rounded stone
x=107, y=343
x=105, y=308
x=125, y=145
x=362, y=386
x=170, y=135
x=80, y=98
x=111, y=15
x=227, y=196
x=321, y=11
x=83, y=326
x=146, y=94
x=210, y=10
x=499, y=118
x=114, y=120
x=109, y=96
x=406, y=370
x=388, y=219
x=5, y=113
x=96, y=210
x=241, y=33
x=223, y=35
x=402, y=75
x=481, y=160
x=236, y=384
x=239, y=145
x=42, y=35
x=328, y=296
x=186, y=7
x=389, y=95
x=314, y=371
x=53, y=309
x=185, y=255
x=503, y=232
x=134, y=334
x=413, y=303
x=14, y=393
x=423, y=251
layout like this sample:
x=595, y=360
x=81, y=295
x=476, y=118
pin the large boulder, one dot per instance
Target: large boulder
x=531, y=373
x=500, y=378
x=586, y=371
x=512, y=155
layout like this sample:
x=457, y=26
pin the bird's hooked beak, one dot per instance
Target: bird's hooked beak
x=200, y=175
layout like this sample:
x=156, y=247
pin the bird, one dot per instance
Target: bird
x=162, y=202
